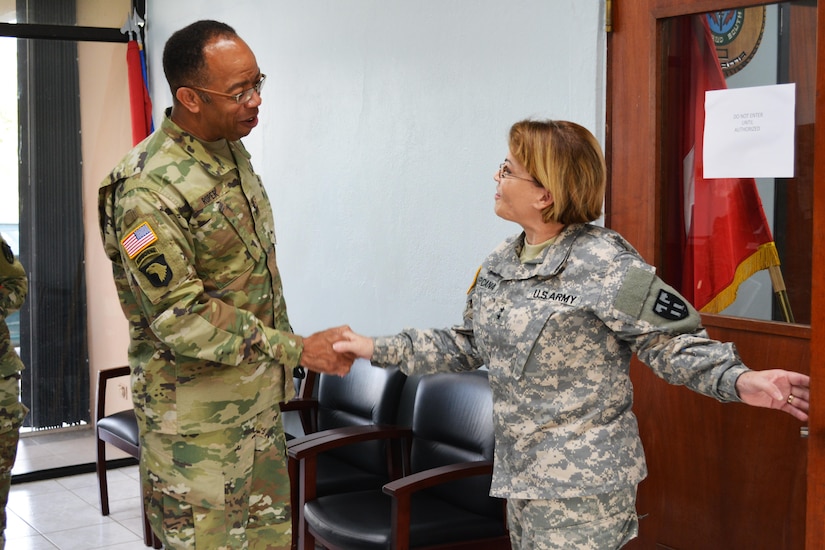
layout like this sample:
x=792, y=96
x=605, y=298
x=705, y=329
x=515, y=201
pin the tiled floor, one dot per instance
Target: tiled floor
x=64, y=512
x=48, y=450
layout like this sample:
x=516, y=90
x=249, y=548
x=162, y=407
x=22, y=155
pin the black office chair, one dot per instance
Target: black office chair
x=302, y=407
x=120, y=430
x=442, y=501
x=367, y=396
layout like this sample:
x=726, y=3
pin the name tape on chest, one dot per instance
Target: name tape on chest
x=551, y=296
x=482, y=282
x=543, y=294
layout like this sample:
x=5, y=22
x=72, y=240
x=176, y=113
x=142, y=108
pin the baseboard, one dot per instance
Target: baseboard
x=63, y=471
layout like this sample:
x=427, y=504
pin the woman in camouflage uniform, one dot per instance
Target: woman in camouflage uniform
x=556, y=313
x=13, y=289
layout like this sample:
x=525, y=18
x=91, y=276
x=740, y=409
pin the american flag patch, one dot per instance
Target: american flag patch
x=138, y=239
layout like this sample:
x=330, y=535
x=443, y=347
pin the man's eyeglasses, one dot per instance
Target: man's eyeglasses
x=504, y=172
x=241, y=97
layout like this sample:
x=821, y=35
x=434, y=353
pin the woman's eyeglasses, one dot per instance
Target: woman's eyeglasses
x=504, y=172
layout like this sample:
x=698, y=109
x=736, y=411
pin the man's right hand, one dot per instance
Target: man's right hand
x=319, y=356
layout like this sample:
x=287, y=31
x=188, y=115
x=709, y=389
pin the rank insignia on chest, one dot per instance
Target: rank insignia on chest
x=136, y=241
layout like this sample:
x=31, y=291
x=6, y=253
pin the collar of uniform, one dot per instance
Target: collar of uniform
x=196, y=149
x=549, y=263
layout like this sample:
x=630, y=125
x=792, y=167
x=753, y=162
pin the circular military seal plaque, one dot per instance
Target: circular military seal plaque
x=737, y=34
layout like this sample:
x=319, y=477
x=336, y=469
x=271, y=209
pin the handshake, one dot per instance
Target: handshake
x=332, y=351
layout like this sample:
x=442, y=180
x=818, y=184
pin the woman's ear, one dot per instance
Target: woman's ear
x=545, y=200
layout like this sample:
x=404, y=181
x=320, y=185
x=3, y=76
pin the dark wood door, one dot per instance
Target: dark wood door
x=721, y=476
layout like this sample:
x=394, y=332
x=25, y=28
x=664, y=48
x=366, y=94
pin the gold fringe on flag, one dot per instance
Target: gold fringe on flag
x=766, y=256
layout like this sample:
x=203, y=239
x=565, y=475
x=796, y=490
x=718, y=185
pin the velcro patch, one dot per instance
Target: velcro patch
x=136, y=241
x=646, y=297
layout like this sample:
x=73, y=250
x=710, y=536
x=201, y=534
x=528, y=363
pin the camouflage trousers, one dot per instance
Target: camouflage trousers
x=12, y=413
x=598, y=522
x=219, y=490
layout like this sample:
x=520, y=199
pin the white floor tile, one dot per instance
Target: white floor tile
x=102, y=535
x=83, y=480
x=16, y=528
x=126, y=546
x=32, y=543
x=52, y=512
x=133, y=524
x=64, y=513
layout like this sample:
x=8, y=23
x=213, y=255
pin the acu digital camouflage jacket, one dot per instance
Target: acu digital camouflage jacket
x=557, y=335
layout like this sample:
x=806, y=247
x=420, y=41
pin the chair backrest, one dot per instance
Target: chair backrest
x=300, y=420
x=367, y=395
x=453, y=422
x=103, y=377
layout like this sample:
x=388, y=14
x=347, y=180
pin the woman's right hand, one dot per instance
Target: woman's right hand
x=361, y=346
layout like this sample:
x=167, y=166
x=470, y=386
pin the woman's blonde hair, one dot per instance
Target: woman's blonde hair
x=568, y=161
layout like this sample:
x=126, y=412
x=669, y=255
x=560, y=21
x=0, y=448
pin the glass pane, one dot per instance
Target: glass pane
x=87, y=13
x=9, y=203
x=739, y=245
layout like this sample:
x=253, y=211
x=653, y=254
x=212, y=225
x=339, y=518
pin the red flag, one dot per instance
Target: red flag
x=139, y=101
x=727, y=235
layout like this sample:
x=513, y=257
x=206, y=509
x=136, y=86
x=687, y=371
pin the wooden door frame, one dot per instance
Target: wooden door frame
x=633, y=201
x=815, y=522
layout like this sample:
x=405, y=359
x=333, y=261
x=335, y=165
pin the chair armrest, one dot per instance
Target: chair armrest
x=401, y=490
x=307, y=408
x=319, y=442
x=309, y=437
x=403, y=487
x=299, y=404
x=303, y=454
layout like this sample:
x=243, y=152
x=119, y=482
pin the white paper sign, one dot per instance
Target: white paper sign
x=749, y=132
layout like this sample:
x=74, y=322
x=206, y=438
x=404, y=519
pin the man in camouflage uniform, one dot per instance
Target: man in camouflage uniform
x=188, y=227
x=13, y=289
x=556, y=313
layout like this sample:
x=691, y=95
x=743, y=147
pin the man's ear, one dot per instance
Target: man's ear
x=189, y=98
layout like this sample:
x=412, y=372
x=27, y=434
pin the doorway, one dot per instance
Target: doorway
x=721, y=476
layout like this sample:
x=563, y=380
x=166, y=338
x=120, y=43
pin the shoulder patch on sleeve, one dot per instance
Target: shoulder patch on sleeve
x=670, y=306
x=155, y=268
x=666, y=308
x=7, y=253
x=138, y=239
x=475, y=280
x=646, y=297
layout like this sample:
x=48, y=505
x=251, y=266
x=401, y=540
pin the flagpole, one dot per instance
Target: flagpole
x=778, y=283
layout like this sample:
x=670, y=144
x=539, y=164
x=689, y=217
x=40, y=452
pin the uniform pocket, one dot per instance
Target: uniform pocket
x=225, y=241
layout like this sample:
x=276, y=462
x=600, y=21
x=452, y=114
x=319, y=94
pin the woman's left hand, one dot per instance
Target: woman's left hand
x=776, y=389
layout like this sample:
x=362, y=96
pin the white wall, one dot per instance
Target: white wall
x=381, y=126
